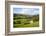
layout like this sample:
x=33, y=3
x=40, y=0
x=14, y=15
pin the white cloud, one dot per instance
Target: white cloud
x=27, y=12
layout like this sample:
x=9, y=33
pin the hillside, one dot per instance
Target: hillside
x=21, y=20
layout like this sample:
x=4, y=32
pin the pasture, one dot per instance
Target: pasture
x=22, y=21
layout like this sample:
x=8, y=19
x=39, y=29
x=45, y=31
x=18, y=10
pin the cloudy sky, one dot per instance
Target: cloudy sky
x=27, y=11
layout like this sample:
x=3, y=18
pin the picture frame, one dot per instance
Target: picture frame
x=9, y=5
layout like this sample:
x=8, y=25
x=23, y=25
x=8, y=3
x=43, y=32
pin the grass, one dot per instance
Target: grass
x=20, y=21
x=35, y=24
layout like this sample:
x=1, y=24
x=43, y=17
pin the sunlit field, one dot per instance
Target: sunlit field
x=20, y=20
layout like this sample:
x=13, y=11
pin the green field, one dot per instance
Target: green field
x=21, y=21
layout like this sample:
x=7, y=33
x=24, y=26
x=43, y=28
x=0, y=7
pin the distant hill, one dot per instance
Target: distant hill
x=22, y=16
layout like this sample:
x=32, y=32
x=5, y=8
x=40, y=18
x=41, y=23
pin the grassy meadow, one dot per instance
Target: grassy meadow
x=23, y=21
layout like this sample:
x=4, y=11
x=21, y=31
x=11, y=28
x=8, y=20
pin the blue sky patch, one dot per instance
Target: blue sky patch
x=28, y=11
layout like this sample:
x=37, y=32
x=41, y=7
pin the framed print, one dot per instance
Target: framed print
x=24, y=18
